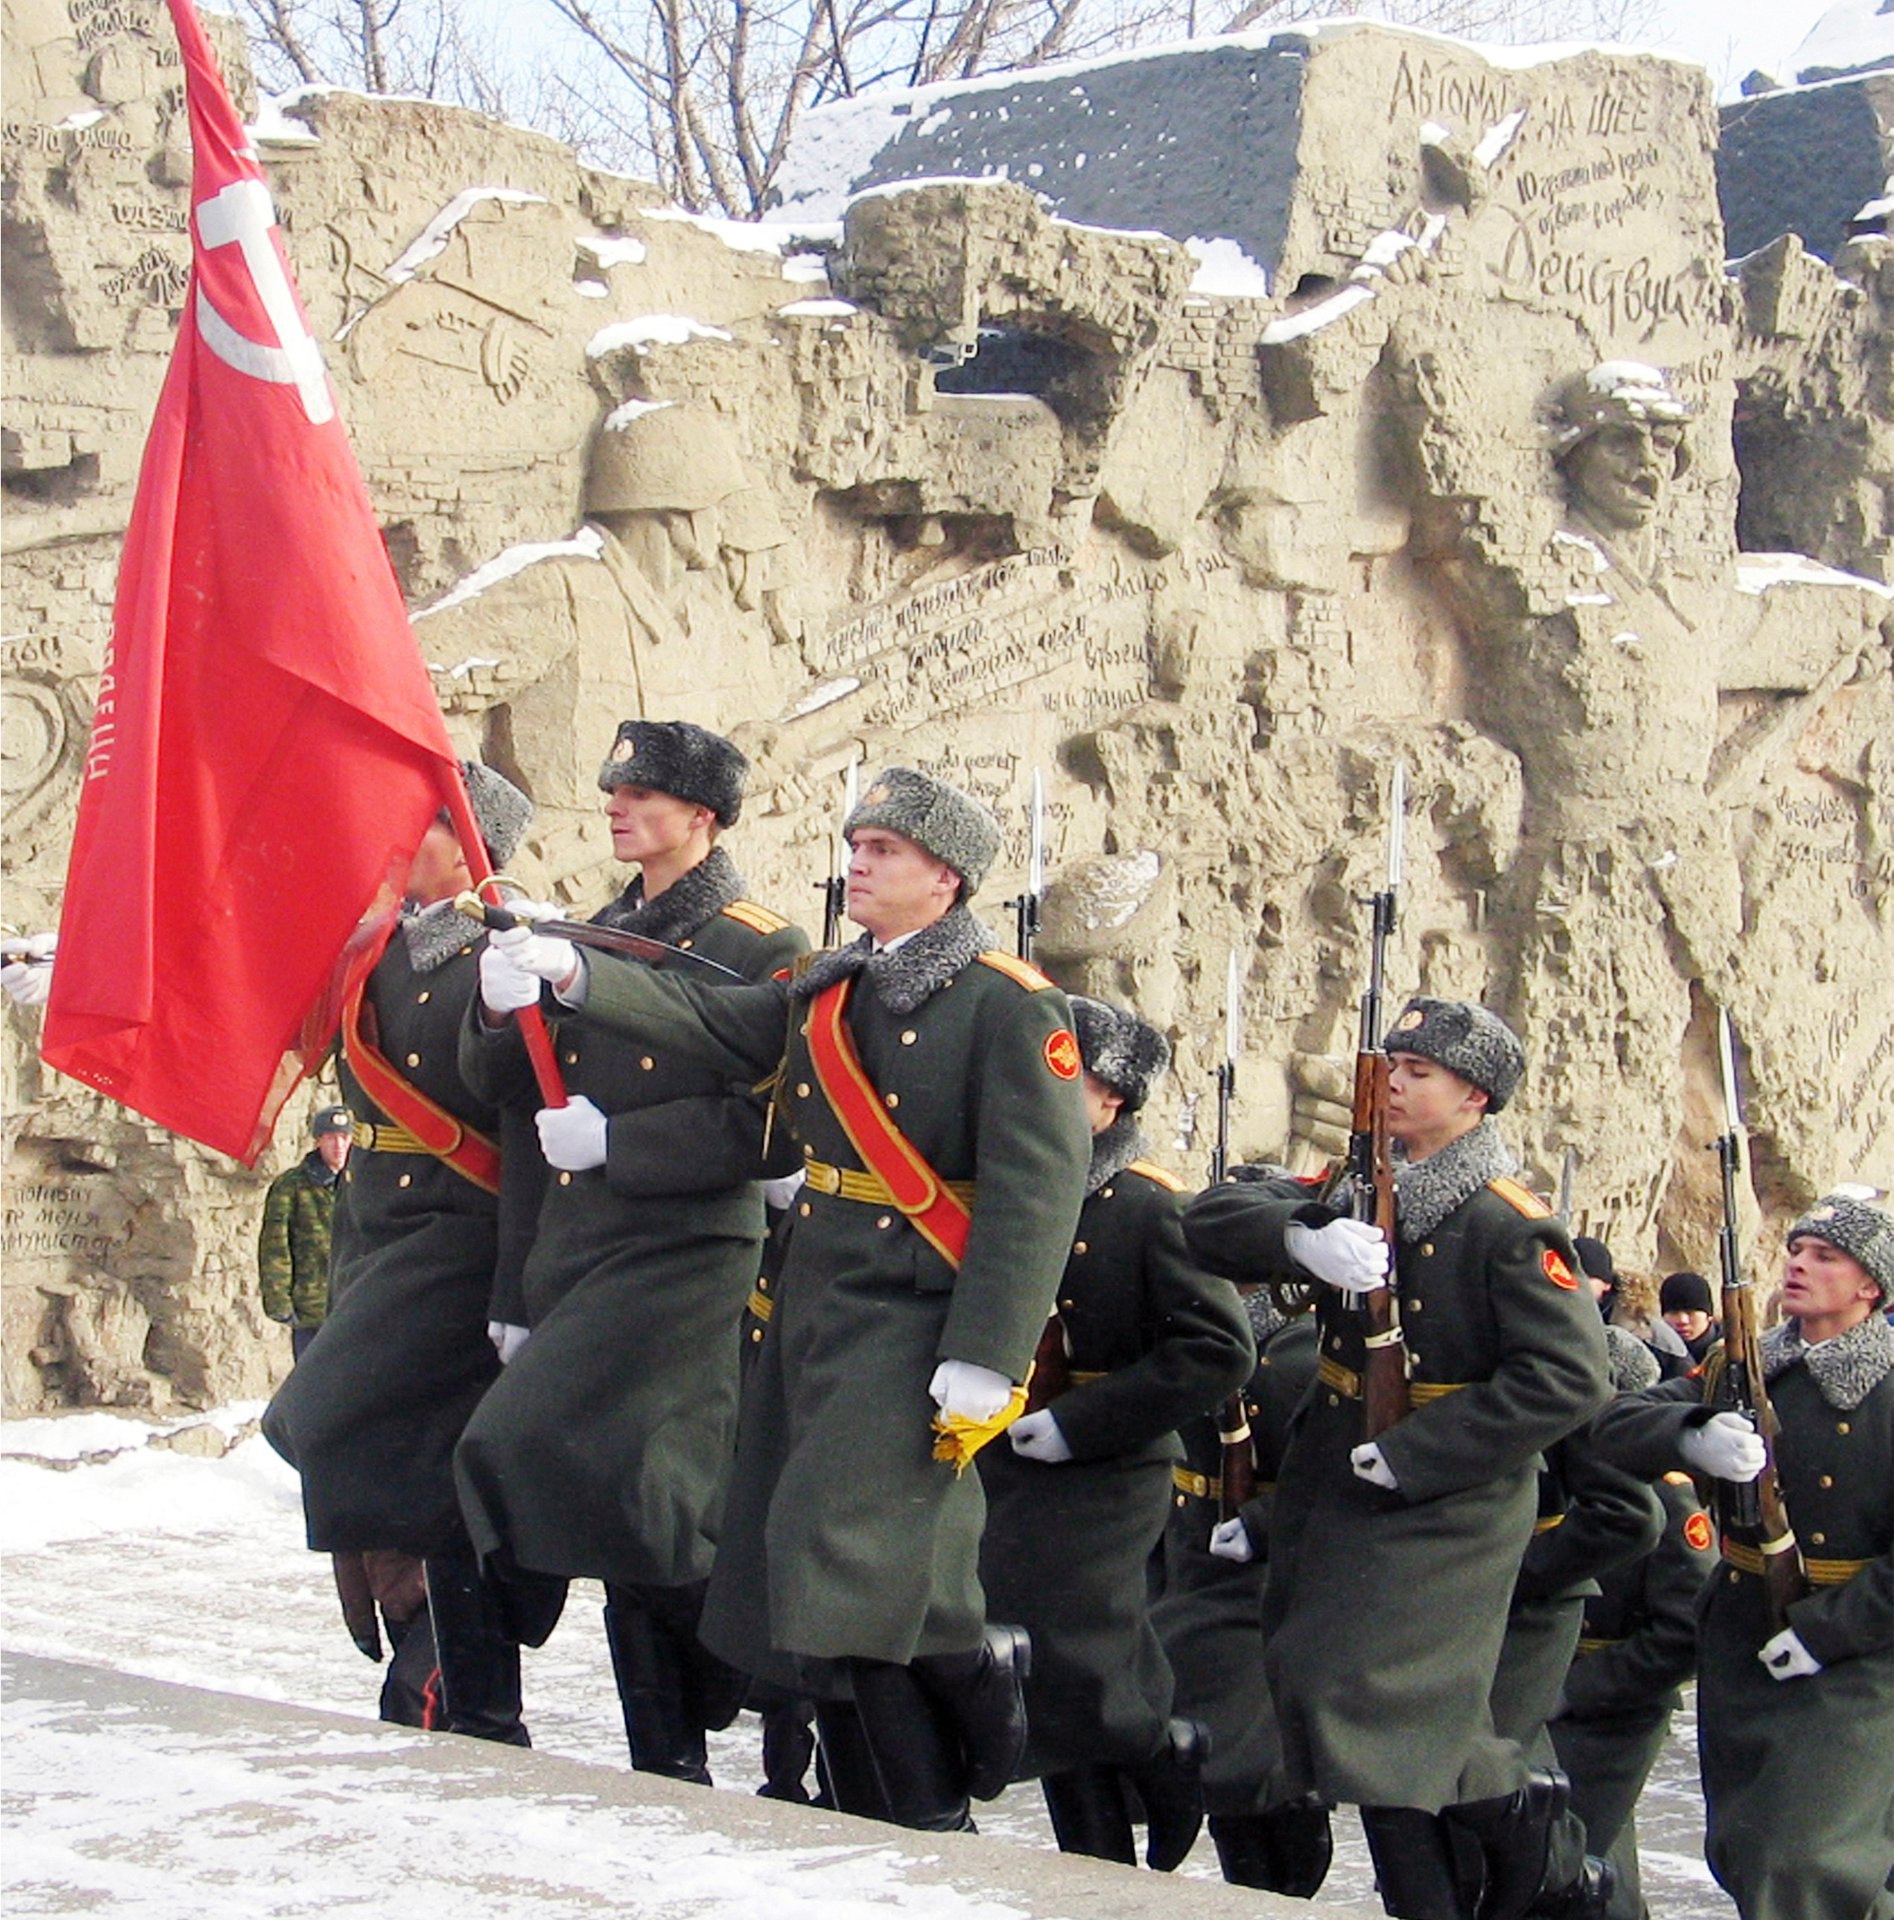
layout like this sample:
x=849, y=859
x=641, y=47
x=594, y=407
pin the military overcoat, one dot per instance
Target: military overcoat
x=843, y=1535
x=1150, y=1340
x=1385, y=1610
x=370, y=1415
x=604, y=1447
x=1797, y=1777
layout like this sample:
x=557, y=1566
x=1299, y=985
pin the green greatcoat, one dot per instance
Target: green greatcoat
x=1385, y=1610
x=1798, y=1775
x=1151, y=1340
x=843, y=1536
x=603, y=1448
x=1210, y=1617
x=370, y=1414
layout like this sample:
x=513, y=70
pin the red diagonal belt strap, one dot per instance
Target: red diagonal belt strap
x=935, y=1212
x=470, y=1153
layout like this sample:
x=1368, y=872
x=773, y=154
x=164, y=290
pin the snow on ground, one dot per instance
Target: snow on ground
x=159, y=1563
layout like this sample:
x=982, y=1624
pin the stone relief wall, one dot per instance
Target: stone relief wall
x=938, y=476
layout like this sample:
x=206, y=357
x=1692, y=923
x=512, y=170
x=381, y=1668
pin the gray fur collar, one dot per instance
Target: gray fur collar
x=1113, y=1151
x=435, y=934
x=1430, y=1189
x=1847, y=1368
x=913, y=973
x=690, y=900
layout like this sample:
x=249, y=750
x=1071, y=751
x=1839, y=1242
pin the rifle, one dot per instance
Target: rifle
x=1026, y=906
x=834, y=889
x=1756, y=1508
x=1370, y=1162
x=1237, y=1476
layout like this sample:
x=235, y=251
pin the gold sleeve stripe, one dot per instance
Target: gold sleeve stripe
x=1023, y=971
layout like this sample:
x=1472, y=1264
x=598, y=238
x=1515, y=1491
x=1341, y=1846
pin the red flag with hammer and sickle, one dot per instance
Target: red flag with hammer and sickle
x=266, y=750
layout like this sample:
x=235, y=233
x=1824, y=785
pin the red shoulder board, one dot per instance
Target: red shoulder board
x=1698, y=1532
x=1553, y=1261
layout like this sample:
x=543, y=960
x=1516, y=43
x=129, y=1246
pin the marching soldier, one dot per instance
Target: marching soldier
x=1141, y=1339
x=1795, y=1721
x=1637, y=1648
x=1392, y=1560
x=602, y=1450
x=932, y=1083
x=1210, y=1617
x=370, y=1416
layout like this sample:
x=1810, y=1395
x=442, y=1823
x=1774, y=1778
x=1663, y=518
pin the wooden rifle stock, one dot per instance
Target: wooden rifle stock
x=1384, y=1390
x=1237, y=1475
x=1051, y=1366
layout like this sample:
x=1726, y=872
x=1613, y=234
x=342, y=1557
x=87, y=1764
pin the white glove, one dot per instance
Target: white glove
x=781, y=1193
x=1787, y=1658
x=1371, y=1464
x=969, y=1392
x=1230, y=1540
x=572, y=1136
x=507, y=1339
x=1036, y=1436
x=506, y=986
x=1726, y=1447
x=29, y=981
x=544, y=954
x=1349, y=1254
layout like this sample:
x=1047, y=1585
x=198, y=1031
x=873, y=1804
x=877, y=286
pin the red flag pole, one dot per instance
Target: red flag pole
x=552, y=1089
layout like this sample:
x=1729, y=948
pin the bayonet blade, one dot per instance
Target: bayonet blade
x=1036, y=858
x=1232, y=1011
x=1397, y=825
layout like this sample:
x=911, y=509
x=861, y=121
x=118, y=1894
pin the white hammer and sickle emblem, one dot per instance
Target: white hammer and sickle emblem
x=241, y=216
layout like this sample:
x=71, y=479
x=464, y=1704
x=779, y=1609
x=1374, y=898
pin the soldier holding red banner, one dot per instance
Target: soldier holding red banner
x=932, y=1083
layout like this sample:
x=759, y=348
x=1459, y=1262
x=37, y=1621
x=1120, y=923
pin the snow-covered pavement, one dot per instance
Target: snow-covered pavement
x=160, y=1562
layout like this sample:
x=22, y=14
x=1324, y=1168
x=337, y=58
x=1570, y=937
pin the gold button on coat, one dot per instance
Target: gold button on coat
x=1078, y=1246
x=893, y=1099
x=423, y=997
x=909, y=1038
x=414, y=1059
x=804, y=1209
x=802, y=1089
x=647, y=1063
x=406, y=1180
x=885, y=1220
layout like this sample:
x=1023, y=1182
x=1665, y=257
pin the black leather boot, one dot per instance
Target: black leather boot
x=479, y=1661
x=844, y=1765
x=788, y=1744
x=916, y=1754
x=1515, y=1838
x=1286, y=1850
x=982, y=1695
x=1170, y=1786
x=1588, y=1897
x=530, y=1603
x=1089, y=1815
x=664, y=1735
x=1413, y=1864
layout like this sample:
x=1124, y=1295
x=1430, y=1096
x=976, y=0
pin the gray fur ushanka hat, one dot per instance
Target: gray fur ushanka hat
x=676, y=757
x=500, y=810
x=1464, y=1038
x=1118, y=1048
x=953, y=826
x=1861, y=1230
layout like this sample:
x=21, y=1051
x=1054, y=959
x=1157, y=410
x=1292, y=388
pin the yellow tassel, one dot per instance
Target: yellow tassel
x=957, y=1439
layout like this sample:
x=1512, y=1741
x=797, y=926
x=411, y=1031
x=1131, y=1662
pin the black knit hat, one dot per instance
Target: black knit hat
x=1595, y=1257
x=1479, y=1046
x=675, y=757
x=1127, y=1053
x=1685, y=1293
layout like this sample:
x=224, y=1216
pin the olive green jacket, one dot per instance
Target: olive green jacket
x=292, y=1255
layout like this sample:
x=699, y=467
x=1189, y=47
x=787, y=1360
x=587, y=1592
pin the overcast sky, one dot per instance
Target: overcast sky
x=1733, y=37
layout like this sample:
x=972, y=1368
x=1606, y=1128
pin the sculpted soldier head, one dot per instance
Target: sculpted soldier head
x=918, y=847
x=1619, y=442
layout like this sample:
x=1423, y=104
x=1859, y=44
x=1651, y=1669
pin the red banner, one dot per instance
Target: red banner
x=267, y=749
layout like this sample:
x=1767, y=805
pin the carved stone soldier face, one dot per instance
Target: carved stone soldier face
x=1617, y=474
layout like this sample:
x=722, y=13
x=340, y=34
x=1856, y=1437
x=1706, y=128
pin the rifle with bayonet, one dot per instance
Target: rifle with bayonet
x=1026, y=906
x=1237, y=1476
x=834, y=889
x=1369, y=1166
x=1756, y=1510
